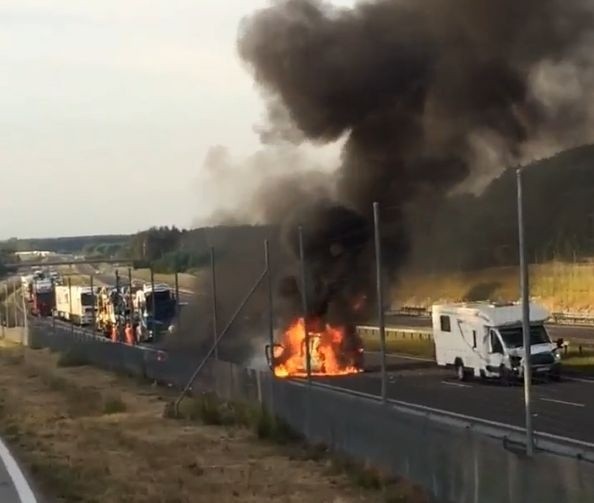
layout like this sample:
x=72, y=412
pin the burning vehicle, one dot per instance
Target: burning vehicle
x=335, y=244
x=332, y=351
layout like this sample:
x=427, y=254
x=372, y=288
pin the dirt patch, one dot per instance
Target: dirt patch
x=91, y=436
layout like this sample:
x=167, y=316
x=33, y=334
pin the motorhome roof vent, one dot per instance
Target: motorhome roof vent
x=502, y=304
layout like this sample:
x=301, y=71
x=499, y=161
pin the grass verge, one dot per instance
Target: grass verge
x=209, y=409
x=114, y=405
x=139, y=457
x=413, y=347
x=71, y=358
x=579, y=361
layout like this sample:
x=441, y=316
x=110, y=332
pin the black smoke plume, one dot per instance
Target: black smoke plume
x=334, y=243
x=429, y=94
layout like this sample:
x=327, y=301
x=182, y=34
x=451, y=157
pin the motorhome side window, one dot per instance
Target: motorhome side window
x=445, y=323
x=496, y=346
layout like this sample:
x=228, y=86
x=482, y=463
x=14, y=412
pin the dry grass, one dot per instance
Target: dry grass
x=557, y=285
x=422, y=348
x=62, y=423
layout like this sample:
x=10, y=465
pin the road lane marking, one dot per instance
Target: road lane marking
x=563, y=402
x=460, y=385
x=398, y=355
x=18, y=479
x=578, y=379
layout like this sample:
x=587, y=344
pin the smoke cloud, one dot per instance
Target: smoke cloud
x=425, y=91
x=431, y=96
x=263, y=187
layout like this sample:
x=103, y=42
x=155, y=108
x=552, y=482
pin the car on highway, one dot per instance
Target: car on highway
x=485, y=339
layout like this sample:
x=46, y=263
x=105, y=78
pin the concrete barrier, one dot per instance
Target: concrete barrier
x=16, y=335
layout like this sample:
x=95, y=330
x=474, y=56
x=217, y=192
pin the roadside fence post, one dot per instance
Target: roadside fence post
x=525, y=291
x=304, y=301
x=380, y=297
x=93, y=303
x=213, y=284
x=70, y=304
x=177, y=306
x=153, y=305
x=270, y=305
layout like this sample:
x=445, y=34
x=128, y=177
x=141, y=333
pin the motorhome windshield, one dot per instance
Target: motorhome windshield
x=86, y=299
x=512, y=337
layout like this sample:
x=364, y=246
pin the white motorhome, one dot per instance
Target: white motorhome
x=484, y=339
x=75, y=304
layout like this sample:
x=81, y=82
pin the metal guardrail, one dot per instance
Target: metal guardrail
x=560, y=318
x=411, y=333
x=512, y=437
x=584, y=319
x=421, y=312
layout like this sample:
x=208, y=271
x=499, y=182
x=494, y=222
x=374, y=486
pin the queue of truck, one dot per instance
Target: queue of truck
x=108, y=310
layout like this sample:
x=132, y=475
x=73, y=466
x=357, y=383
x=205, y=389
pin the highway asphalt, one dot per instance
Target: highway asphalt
x=563, y=408
x=14, y=486
x=574, y=334
x=8, y=492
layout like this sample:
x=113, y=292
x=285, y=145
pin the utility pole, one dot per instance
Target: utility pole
x=16, y=308
x=304, y=302
x=118, y=308
x=213, y=285
x=525, y=289
x=380, y=297
x=177, y=306
x=270, y=305
x=6, y=305
x=153, y=305
x=131, y=299
x=94, y=303
x=70, y=305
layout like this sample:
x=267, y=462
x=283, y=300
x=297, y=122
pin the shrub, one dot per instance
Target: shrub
x=114, y=405
x=72, y=358
x=275, y=429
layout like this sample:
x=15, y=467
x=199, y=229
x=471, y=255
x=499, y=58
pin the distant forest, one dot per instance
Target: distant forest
x=469, y=231
x=76, y=244
x=474, y=232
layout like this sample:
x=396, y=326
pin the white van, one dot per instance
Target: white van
x=485, y=340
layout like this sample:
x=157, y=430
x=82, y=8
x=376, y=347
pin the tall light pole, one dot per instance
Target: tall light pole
x=380, y=297
x=214, y=312
x=270, y=305
x=304, y=301
x=525, y=289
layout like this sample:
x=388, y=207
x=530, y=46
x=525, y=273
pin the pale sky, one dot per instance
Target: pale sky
x=109, y=107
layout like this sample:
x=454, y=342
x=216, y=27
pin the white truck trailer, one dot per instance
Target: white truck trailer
x=75, y=304
x=484, y=339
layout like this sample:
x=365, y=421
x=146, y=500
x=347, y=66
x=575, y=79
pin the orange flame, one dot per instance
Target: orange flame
x=327, y=357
